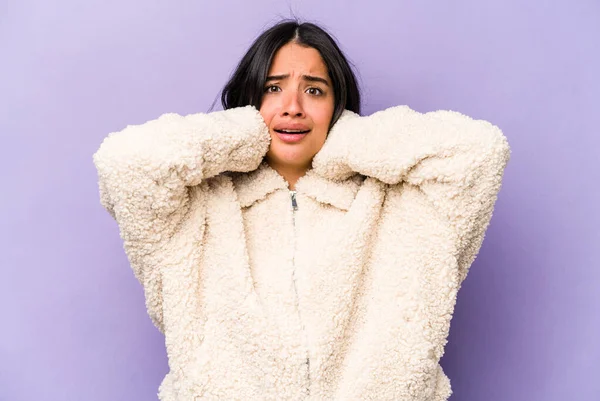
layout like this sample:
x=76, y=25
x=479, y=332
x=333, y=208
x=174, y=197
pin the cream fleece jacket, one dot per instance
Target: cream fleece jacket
x=348, y=296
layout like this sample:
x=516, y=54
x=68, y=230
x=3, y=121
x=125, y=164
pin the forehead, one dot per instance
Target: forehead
x=293, y=57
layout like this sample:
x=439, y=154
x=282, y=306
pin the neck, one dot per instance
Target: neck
x=290, y=173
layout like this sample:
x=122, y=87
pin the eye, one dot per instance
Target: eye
x=268, y=88
x=315, y=91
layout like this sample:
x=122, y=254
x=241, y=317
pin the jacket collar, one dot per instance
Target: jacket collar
x=256, y=185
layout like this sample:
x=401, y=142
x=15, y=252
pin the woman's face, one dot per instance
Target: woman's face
x=297, y=106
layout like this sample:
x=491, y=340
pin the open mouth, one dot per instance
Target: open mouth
x=292, y=132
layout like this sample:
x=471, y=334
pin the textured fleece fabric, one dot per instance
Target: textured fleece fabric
x=348, y=297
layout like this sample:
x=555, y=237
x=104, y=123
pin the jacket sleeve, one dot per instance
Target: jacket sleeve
x=455, y=161
x=145, y=171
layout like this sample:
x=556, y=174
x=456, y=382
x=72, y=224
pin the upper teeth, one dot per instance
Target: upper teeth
x=292, y=130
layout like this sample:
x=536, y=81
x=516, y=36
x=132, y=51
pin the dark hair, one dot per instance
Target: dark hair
x=246, y=85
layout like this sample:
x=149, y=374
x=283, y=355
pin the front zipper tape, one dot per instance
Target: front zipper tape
x=294, y=209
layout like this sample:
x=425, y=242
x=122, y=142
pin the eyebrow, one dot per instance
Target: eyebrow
x=309, y=78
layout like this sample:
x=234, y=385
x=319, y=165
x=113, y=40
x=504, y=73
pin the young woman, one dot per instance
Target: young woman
x=290, y=248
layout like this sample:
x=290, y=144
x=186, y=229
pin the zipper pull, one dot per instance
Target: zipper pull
x=294, y=203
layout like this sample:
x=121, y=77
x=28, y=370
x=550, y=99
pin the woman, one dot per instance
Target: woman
x=292, y=249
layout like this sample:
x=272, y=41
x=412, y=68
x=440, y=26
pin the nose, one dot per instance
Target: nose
x=292, y=105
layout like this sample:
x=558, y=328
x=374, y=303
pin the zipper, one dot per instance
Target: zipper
x=294, y=205
x=294, y=209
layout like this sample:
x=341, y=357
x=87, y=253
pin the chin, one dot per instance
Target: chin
x=286, y=159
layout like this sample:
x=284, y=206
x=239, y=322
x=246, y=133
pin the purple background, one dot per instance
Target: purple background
x=73, y=324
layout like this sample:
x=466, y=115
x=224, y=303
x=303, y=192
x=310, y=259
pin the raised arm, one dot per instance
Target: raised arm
x=145, y=172
x=456, y=162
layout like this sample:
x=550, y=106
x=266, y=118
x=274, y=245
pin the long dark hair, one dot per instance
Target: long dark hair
x=245, y=87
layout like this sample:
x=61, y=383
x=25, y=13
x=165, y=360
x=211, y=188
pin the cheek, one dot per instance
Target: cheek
x=266, y=117
x=267, y=111
x=322, y=117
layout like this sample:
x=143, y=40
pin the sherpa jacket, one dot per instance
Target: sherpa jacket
x=345, y=292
